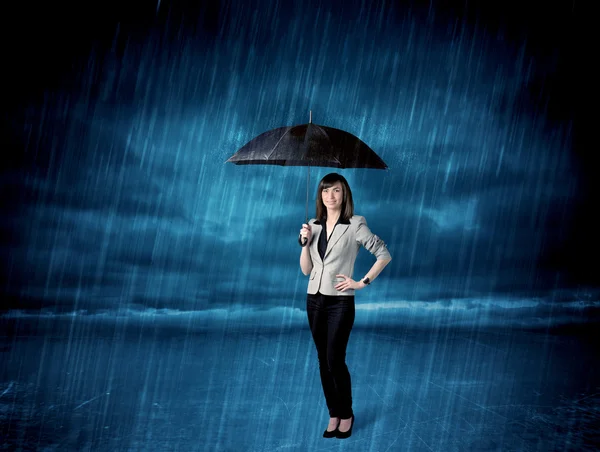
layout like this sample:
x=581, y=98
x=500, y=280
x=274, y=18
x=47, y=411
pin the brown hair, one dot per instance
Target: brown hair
x=347, y=203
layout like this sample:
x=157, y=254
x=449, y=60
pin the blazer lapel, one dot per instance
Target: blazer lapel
x=315, y=240
x=338, y=231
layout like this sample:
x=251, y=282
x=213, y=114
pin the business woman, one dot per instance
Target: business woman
x=333, y=239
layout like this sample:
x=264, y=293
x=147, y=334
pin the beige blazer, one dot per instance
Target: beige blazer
x=341, y=253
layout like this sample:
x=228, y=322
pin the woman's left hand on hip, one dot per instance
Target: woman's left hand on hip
x=348, y=284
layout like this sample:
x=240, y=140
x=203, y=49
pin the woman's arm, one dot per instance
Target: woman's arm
x=370, y=241
x=349, y=283
x=375, y=270
x=375, y=246
x=305, y=260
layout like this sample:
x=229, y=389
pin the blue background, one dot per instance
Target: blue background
x=119, y=212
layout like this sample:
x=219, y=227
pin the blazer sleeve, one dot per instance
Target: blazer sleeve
x=370, y=241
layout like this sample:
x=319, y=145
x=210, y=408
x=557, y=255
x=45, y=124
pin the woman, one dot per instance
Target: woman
x=328, y=255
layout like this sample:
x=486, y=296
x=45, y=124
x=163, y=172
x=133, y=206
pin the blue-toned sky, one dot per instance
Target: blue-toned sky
x=116, y=195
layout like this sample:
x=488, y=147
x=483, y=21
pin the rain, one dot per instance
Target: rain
x=152, y=297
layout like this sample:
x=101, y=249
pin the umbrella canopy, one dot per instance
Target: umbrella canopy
x=308, y=145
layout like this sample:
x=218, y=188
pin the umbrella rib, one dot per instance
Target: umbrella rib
x=277, y=144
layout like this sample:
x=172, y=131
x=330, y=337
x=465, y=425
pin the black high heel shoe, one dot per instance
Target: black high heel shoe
x=342, y=435
x=333, y=433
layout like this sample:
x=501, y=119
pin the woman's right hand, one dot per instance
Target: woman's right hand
x=306, y=232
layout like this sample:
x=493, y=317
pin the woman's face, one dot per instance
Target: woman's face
x=333, y=196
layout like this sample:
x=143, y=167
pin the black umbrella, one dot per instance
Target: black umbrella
x=308, y=145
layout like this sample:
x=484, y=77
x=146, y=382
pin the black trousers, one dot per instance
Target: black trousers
x=331, y=319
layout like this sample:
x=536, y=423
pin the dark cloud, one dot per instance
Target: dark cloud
x=116, y=192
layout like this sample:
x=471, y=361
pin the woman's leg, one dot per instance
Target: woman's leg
x=341, y=312
x=317, y=320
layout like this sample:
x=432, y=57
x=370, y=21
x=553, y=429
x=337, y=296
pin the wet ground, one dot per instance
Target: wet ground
x=109, y=386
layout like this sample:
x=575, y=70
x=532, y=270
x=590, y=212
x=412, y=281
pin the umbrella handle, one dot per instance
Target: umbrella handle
x=307, y=184
x=304, y=241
